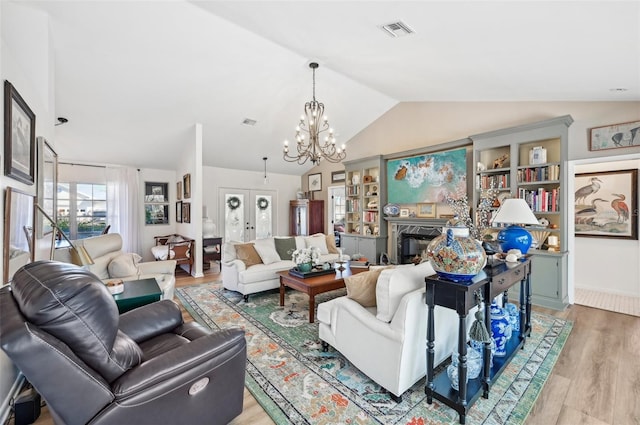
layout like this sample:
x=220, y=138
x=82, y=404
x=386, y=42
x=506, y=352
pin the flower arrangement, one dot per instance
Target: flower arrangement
x=306, y=255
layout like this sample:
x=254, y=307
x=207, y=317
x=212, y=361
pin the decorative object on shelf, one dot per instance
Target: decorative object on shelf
x=623, y=135
x=186, y=183
x=537, y=155
x=553, y=244
x=208, y=226
x=481, y=167
x=514, y=212
x=460, y=207
x=427, y=178
x=539, y=237
x=355, y=179
x=312, y=123
x=500, y=329
x=20, y=136
x=315, y=182
x=404, y=212
x=392, y=210
x=499, y=162
x=544, y=222
x=426, y=209
x=374, y=190
x=474, y=366
x=456, y=256
x=612, y=212
x=372, y=205
x=367, y=179
x=305, y=267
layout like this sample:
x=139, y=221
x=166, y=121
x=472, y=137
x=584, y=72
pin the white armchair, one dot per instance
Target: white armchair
x=111, y=262
x=388, y=342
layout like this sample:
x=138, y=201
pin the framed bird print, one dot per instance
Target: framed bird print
x=606, y=204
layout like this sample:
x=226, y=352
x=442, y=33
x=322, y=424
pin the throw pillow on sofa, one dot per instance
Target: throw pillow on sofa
x=247, y=253
x=317, y=241
x=266, y=249
x=124, y=265
x=331, y=244
x=285, y=247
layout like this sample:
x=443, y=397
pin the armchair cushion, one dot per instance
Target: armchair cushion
x=246, y=253
x=124, y=265
x=388, y=296
x=361, y=287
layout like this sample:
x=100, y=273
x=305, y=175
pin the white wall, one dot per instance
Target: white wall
x=614, y=265
x=285, y=185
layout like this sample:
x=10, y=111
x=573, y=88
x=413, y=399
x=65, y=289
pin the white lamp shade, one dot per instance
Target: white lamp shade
x=514, y=211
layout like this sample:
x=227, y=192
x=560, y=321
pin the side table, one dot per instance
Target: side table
x=211, y=248
x=137, y=293
x=495, y=279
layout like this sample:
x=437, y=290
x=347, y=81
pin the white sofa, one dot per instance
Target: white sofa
x=237, y=276
x=388, y=342
x=111, y=262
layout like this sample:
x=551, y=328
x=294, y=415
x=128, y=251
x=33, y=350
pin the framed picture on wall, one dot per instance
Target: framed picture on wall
x=614, y=136
x=179, y=212
x=19, y=136
x=315, y=182
x=186, y=183
x=426, y=209
x=186, y=212
x=337, y=176
x=606, y=204
x=179, y=190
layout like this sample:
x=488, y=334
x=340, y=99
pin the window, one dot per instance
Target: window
x=82, y=209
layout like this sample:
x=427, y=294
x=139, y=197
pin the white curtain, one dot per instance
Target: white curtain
x=123, y=202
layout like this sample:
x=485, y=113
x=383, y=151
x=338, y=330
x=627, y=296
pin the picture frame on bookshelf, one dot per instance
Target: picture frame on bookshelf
x=404, y=212
x=615, y=136
x=602, y=216
x=426, y=209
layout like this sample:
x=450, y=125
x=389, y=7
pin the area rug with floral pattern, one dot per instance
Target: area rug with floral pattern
x=296, y=382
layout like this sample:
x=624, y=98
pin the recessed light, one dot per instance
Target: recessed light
x=397, y=29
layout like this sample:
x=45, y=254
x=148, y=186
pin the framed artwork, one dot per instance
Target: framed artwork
x=315, y=182
x=19, y=136
x=430, y=177
x=606, y=204
x=186, y=212
x=404, y=212
x=186, y=183
x=179, y=190
x=614, y=136
x=47, y=192
x=156, y=213
x=426, y=209
x=18, y=231
x=338, y=176
x=156, y=192
x=179, y=212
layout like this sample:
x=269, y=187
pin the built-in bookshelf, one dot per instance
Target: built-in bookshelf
x=529, y=162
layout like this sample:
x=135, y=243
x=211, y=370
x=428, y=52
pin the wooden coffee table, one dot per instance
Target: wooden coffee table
x=313, y=286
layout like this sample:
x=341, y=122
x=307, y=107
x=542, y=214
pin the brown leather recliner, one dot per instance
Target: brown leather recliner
x=60, y=326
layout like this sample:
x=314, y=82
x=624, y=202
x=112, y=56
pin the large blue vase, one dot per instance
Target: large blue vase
x=456, y=256
x=500, y=329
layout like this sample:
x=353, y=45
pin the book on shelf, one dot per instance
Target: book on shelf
x=358, y=264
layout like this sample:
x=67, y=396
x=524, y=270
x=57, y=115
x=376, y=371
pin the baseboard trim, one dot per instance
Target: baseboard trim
x=5, y=407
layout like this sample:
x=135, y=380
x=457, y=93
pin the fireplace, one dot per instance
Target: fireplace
x=412, y=244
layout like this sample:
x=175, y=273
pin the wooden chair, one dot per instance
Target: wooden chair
x=174, y=247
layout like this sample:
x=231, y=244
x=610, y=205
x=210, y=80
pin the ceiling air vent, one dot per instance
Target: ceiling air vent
x=249, y=121
x=397, y=29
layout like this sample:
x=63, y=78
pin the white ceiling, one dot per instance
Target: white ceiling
x=133, y=77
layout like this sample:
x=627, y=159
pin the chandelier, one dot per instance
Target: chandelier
x=311, y=124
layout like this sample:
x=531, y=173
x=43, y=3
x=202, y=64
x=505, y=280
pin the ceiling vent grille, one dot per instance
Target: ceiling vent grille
x=397, y=29
x=249, y=121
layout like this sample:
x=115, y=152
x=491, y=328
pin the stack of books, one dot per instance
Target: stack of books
x=358, y=264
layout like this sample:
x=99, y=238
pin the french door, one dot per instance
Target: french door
x=247, y=213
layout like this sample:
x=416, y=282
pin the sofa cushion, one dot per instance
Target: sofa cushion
x=266, y=249
x=361, y=287
x=394, y=283
x=317, y=241
x=124, y=265
x=247, y=253
x=264, y=272
x=331, y=244
x=285, y=247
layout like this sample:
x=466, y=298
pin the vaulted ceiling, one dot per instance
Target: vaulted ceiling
x=133, y=77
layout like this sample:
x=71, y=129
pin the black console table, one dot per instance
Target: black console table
x=211, y=250
x=495, y=279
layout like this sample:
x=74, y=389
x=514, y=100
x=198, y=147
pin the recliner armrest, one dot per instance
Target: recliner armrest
x=181, y=364
x=157, y=267
x=151, y=320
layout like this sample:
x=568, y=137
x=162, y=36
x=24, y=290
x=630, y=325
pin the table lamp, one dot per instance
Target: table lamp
x=514, y=212
x=79, y=255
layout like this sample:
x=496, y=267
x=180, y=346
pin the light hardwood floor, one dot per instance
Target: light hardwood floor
x=596, y=380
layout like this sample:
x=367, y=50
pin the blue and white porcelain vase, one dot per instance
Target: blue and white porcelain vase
x=513, y=316
x=479, y=347
x=474, y=366
x=455, y=255
x=500, y=329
